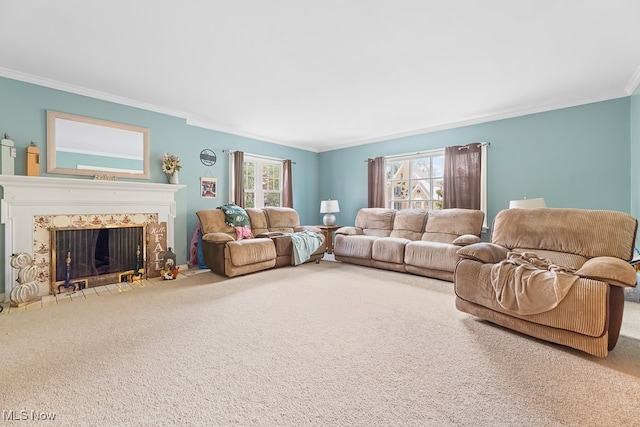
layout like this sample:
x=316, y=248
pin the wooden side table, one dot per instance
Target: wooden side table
x=328, y=230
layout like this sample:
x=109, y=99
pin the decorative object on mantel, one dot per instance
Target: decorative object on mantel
x=7, y=155
x=27, y=289
x=33, y=159
x=104, y=177
x=171, y=167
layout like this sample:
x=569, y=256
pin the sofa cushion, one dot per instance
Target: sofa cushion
x=559, y=258
x=431, y=255
x=360, y=246
x=447, y=224
x=389, y=249
x=589, y=233
x=409, y=224
x=375, y=221
x=213, y=221
x=282, y=219
x=258, y=221
x=246, y=252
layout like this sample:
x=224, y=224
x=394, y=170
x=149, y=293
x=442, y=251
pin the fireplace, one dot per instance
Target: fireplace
x=87, y=257
x=32, y=206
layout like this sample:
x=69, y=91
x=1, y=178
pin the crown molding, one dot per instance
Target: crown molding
x=239, y=132
x=507, y=114
x=79, y=90
x=634, y=82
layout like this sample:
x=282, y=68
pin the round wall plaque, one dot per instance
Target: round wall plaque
x=208, y=157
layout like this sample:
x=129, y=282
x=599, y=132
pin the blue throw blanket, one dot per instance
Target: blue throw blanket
x=304, y=244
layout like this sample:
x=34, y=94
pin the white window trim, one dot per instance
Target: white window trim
x=410, y=156
x=259, y=161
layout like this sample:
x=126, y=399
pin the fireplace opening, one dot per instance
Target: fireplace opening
x=87, y=257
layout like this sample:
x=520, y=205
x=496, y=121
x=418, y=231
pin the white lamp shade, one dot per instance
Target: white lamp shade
x=527, y=203
x=329, y=206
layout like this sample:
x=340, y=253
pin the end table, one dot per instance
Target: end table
x=328, y=230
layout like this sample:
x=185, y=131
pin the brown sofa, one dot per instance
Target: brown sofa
x=412, y=240
x=271, y=244
x=555, y=274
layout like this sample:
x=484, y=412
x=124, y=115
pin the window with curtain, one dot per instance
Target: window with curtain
x=415, y=181
x=262, y=181
x=451, y=177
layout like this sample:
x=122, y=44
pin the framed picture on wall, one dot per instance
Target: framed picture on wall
x=208, y=187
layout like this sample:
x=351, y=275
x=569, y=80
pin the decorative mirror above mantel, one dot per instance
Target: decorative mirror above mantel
x=78, y=145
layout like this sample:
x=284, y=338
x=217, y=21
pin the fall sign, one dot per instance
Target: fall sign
x=157, y=248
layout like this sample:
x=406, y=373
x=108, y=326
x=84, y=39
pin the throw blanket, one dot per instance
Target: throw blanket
x=238, y=218
x=526, y=284
x=304, y=244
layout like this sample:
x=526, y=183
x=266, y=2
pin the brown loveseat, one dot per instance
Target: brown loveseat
x=555, y=274
x=271, y=244
x=412, y=240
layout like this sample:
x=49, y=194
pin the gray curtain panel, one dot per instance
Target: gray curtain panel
x=238, y=178
x=462, y=176
x=376, y=183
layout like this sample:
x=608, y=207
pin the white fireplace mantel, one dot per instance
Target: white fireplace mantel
x=26, y=197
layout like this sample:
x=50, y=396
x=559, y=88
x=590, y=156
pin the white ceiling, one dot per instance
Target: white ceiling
x=327, y=74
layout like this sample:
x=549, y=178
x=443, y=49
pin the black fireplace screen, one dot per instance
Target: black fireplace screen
x=94, y=252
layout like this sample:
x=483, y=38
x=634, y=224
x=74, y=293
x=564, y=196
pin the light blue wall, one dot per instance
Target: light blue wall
x=23, y=109
x=574, y=157
x=635, y=156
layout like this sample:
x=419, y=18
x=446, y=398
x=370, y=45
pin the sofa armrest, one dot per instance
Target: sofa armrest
x=486, y=253
x=217, y=237
x=609, y=269
x=466, y=239
x=349, y=231
x=311, y=228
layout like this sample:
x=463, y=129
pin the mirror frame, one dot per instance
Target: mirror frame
x=51, y=146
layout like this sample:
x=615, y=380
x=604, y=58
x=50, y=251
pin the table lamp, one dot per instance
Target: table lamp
x=527, y=203
x=328, y=207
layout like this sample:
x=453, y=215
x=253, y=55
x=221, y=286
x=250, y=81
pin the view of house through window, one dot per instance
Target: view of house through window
x=415, y=181
x=262, y=182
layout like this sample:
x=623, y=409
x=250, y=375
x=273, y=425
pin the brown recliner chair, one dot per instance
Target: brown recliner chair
x=578, y=257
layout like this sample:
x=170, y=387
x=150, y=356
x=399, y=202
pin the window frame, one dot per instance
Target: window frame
x=258, y=191
x=432, y=203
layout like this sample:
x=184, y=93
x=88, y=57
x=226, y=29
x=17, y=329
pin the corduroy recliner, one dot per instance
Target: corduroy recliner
x=555, y=274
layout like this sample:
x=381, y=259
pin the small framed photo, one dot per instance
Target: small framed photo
x=208, y=187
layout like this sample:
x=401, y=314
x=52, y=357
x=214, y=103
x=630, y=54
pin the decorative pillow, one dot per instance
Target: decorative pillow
x=487, y=253
x=235, y=216
x=609, y=269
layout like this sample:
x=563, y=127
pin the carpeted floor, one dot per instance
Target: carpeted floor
x=326, y=344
